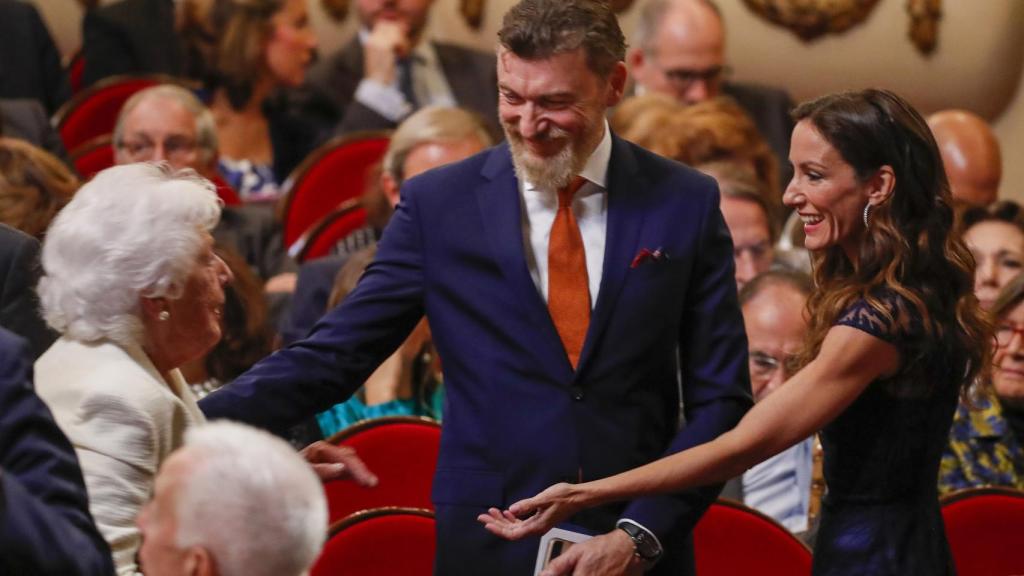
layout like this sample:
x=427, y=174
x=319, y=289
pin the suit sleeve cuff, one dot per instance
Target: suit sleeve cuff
x=385, y=100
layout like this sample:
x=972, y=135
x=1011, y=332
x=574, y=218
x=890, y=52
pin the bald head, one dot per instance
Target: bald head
x=970, y=153
x=681, y=50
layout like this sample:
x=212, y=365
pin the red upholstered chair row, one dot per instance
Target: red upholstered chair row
x=332, y=174
x=733, y=539
x=322, y=236
x=93, y=156
x=985, y=529
x=401, y=451
x=381, y=542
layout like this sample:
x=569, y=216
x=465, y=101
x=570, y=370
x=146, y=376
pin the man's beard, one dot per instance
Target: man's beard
x=551, y=172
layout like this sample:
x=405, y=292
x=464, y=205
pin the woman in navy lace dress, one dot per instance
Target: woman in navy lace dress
x=895, y=335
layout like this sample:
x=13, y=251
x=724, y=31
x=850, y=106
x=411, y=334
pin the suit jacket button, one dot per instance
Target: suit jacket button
x=576, y=392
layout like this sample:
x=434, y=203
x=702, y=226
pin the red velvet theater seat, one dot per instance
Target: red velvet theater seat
x=380, y=542
x=733, y=539
x=330, y=175
x=401, y=451
x=331, y=229
x=93, y=156
x=985, y=528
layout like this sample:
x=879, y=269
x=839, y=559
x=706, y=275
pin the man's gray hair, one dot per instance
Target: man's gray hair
x=132, y=231
x=251, y=501
x=206, y=129
x=652, y=14
x=428, y=125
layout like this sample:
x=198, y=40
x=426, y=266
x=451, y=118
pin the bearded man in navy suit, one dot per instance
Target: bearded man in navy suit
x=567, y=329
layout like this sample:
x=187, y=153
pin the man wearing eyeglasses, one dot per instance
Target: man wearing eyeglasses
x=773, y=315
x=679, y=50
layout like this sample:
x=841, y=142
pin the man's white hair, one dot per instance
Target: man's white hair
x=251, y=501
x=131, y=231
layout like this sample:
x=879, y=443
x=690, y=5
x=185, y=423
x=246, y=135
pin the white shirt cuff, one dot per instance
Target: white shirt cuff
x=383, y=99
x=642, y=527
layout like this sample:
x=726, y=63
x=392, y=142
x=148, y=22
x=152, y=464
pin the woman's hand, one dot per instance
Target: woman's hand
x=548, y=508
x=332, y=462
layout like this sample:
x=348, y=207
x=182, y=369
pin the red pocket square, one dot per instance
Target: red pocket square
x=646, y=254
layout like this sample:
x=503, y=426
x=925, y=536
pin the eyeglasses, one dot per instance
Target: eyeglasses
x=764, y=366
x=682, y=79
x=174, y=147
x=1006, y=332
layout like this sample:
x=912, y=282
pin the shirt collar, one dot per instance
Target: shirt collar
x=596, y=168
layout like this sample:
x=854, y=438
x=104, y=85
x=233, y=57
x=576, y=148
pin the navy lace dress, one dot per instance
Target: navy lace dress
x=881, y=514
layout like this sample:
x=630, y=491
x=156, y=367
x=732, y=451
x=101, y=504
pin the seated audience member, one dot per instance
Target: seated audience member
x=27, y=120
x=233, y=501
x=431, y=137
x=34, y=186
x=407, y=383
x=995, y=236
x=246, y=338
x=774, y=315
x=265, y=45
x=747, y=215
x=680, y=51
x=131, y=282
x=29, y=60
x=389, y=70
x=986, y=441
x=45, y=525
x=168, y=123
x=638, y=117
x=970, y=154
x=147, y=37
x=19, y=306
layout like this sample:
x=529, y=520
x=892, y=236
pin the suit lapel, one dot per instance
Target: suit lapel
x=626, y=212
x=501, y=212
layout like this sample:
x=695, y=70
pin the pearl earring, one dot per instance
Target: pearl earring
x=164, y=316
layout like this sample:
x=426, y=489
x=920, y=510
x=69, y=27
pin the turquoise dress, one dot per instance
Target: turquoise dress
x=341, y=416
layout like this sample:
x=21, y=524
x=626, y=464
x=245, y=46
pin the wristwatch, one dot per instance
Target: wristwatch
x=647, y=546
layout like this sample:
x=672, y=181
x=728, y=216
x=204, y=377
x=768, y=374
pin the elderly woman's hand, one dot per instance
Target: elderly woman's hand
x=332, y=462
x=548, y=508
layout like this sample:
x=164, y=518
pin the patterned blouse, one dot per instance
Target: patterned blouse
x=982, y=450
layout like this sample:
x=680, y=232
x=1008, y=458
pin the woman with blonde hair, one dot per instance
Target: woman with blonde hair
x=34, y=186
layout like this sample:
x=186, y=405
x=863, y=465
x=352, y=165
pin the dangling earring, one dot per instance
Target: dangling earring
x=164, y=316
x=867, y=215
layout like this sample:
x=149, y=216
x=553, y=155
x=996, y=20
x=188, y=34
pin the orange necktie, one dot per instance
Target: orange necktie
x=568, y=287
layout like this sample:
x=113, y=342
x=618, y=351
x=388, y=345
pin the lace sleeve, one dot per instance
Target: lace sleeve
x=896, y=328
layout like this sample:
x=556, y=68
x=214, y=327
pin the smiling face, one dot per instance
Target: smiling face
x=825, y=192
x=552, y=110
x=998, y=250
x=1008, y=376
x=290, y=48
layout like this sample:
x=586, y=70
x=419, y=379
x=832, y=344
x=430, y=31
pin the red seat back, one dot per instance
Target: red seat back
x=401, y=451
x=322, y=236
x=382, y=542
x=93, y=112
x=76, y=68
x=93, y=156
x=332, y=174
x=226, y=193
x=734, y=539
x=985, y=529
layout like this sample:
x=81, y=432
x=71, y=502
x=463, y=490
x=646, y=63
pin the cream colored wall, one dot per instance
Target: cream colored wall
x=978, y=65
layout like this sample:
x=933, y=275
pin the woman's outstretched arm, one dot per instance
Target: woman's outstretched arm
x=848, y=362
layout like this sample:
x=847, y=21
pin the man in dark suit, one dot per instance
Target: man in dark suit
x=45, y=525
x=29, y=61
x=19, y=306
x=143, y=37
x=680, y=51
x=569, y=278
x=389, y=70
x=25, y=119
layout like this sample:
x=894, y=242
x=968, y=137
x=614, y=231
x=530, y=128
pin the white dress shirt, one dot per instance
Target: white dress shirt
x=428, y=83
x=780, y=486
x=589, y=205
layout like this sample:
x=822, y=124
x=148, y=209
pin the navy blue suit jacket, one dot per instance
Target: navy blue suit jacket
x=518, y=418
x=45, y=525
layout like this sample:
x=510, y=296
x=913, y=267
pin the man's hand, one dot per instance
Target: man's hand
x=332, y=462
x=387, y=41
x=610, y=554
x=548, y=508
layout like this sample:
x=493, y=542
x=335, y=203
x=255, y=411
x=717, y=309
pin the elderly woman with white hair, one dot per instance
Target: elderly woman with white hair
x=131, y=282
